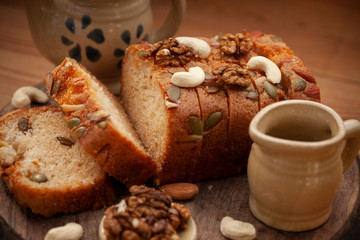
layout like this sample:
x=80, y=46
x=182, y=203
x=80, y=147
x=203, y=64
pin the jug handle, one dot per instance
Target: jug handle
x=172, y=23
x=352, y=145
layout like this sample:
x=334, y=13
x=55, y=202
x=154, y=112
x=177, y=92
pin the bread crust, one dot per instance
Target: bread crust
x=291, y=66
x=214, y=150
x=48, y=201
x=116, y=154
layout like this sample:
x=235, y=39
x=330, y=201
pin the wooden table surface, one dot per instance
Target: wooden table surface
x=325, y=34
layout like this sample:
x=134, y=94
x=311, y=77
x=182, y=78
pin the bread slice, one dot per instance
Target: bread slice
x=165, y=130
x=38, y=141
x=103, y=129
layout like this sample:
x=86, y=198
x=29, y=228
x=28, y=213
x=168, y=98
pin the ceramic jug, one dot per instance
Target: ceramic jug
x=301, y=150
x=96, y=32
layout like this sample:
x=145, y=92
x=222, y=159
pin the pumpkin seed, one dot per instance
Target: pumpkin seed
x=213, y=120
x=270, y=89
x=212, y=89
x=276, y=39
x=174, y=93
x=78, y=132
x=102, y=124
x=143, y=53
x=55, y=87
x=38, y=177
x=23, y=124
x=279, y=85
x=166, y=75
x=73, y=122
x=189, y=138
x=253, y=96
x=196, y=125
x=65, y=141
x=298, y=84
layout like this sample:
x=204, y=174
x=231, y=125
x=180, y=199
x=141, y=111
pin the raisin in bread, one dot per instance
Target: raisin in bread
x=99, y=123
x=200, y=131
x=45, y=168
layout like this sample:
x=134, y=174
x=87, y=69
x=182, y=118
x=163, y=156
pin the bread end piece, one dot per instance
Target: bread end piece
x=74, y=181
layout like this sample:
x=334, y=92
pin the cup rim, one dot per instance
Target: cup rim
x=258, y=136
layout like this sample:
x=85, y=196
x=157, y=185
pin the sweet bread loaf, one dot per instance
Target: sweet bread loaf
x=102, y=128
x=200, y=131
x=187, y=105
x=45, y=168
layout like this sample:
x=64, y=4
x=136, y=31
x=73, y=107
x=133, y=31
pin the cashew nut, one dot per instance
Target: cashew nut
x=271, y=70
x=24, y=95
x=193, y=78
x=71, y=108
x=71, y=231
x=200, y=47
x=237, y=230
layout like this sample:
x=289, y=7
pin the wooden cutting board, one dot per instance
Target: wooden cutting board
x=216, y=199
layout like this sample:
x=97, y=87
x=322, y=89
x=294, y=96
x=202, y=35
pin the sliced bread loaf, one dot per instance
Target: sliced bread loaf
x=45, y=168
x=99, y=123
x=172, y=120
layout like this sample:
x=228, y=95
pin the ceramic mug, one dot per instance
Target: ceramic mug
x=96, y=32
x=301, y=150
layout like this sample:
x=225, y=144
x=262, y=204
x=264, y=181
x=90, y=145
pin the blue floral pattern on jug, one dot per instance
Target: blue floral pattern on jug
x=126, y=38
x=96, y=35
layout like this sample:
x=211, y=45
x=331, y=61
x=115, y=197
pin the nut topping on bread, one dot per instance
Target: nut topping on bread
x=238, y=44
x=272, y=71
x=193, y=78
x=200, y=47
x=168, y=53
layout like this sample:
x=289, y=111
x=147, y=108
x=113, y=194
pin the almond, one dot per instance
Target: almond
x=180, y=191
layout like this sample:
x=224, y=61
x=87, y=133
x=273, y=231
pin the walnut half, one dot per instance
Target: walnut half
x=234, y=75
x=170, y=53
x=238, y=44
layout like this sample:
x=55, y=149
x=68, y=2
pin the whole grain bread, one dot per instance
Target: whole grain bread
x=38, y=141
x=103, y=129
